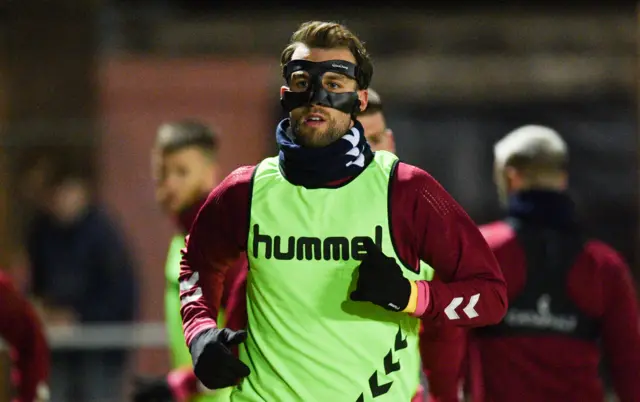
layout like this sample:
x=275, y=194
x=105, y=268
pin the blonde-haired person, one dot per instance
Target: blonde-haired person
x=572, y=301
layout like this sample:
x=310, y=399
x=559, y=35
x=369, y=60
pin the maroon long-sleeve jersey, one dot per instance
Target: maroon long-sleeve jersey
x=21, y=329
x=560, y=368
x=184, y=221
x=427, y=225
x=183, y=381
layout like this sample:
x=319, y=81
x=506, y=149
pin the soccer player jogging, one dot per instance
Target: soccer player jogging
x=334, y=234
x=22, y=330
x=184, y=167
x=380, y=138
x=571, y=298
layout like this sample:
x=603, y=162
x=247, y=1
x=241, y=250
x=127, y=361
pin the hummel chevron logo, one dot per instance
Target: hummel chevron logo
x=376, y=389
x=450, y=310
x=389, y=365
x=400, y=342
x=190, y=283
x=469, y=309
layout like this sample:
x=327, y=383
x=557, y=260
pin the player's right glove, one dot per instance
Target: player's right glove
x=380, y=281
x=213, y=362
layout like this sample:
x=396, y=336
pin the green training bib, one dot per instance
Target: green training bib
x=307, y=340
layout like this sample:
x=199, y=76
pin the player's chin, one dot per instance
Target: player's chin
x=314, y=134
x=306, y=133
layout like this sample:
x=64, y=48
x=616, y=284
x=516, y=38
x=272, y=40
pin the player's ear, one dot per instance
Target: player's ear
x=363, y=96
x=514, y=179
x=283, y=89
x=392, y=141
x=388, y=132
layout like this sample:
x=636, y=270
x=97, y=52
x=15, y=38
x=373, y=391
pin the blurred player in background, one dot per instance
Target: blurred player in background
x=185, y=169
x=334, y=234
x=21, y=329
x=571, y=298
x=379, y=136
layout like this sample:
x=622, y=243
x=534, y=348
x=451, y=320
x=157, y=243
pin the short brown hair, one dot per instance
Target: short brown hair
x=177, y=135
x=331, y=35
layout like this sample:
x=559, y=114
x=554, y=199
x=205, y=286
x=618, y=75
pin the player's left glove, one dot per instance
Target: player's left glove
x=380, y=280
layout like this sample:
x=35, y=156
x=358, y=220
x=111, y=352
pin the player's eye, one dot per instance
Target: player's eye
x=333, y=85
x=299, y=83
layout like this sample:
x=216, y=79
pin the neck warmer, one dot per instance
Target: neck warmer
x=543, y=208
x=317, y=167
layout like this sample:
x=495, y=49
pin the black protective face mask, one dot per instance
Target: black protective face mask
x=316, y=93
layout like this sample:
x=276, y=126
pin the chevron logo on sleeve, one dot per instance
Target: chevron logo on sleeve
x=468, y=310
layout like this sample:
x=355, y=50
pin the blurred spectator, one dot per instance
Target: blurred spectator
x=571, y=298
x=81, y=272
x=35, y=168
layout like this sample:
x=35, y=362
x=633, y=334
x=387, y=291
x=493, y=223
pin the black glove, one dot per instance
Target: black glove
x=152, y=389
x=380, y=280
x=213, y=363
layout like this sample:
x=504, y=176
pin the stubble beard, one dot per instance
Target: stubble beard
x=317, y=138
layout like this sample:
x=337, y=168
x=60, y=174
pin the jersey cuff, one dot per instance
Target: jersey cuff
x=191, y=335
x=413, y=299
x=423, y=298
